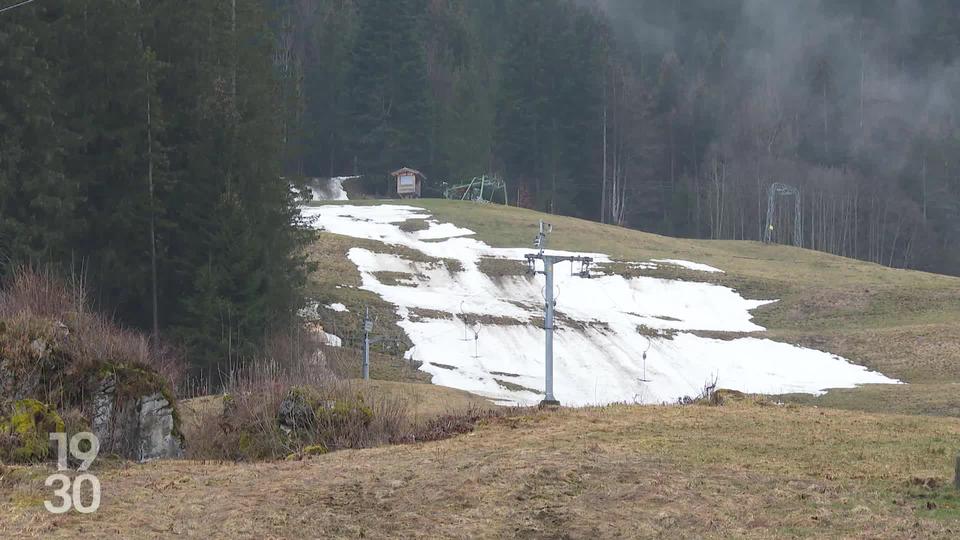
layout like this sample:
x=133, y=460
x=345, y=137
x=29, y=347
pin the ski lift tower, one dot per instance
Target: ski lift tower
x=540, y=242
x=784, y=190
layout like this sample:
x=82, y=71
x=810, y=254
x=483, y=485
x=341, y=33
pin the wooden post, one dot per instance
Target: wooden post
x=956, y=474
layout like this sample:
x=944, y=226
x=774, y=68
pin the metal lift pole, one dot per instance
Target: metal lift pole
x=367, y=327
x=548, y=263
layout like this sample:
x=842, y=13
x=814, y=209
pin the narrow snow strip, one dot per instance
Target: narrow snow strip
x=689, y=265
x=337, y=306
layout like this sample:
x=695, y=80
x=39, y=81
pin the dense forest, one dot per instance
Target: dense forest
x=140, y=151
x=148, y=144
x=673, y=117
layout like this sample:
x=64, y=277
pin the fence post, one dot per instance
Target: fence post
x=956, y=474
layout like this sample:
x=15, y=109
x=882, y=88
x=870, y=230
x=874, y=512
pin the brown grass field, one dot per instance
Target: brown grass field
x=742, y=470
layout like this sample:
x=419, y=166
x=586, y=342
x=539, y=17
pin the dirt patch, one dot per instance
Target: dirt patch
x=453, y=265
x=563, y=322
x=721, y=335
x=499, y=268
x=655, y=333
x=472, y=319
x=413, y=225
x=513, y=387
x=419, y=314
x=443, y=366
x=397, y=279
x=659, y=271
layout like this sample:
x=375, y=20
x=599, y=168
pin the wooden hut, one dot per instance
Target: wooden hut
x=409, y=182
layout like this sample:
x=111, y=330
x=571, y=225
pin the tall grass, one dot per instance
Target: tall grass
x=30, y=297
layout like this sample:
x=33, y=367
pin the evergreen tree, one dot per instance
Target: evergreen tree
x=388, y=109
x=141, y=142
x=102, y=105
x=37, y=202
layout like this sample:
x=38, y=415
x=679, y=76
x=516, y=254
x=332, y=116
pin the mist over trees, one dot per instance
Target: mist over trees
x=673, y=117
x=854, y=102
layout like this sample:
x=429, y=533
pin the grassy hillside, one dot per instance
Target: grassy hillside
x=749, y=468
x=903, y=323
x=738, y=471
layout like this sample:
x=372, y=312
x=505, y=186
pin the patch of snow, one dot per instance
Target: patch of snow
x=594, y=366
x=337, y=306
x=642, y=265
x=328, y=189
x=439, y=231
x=598, y=348
x=309, y=311
x=332, y=340
x=699, y=267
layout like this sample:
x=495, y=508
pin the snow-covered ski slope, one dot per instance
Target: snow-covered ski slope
x=605, y=323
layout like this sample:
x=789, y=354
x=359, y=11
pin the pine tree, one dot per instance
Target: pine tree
x=37, y=201
x=388, y=109
x=102, y=105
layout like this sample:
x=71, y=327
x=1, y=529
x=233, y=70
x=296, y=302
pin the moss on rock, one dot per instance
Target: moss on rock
x=25, y=432
x=315, y=450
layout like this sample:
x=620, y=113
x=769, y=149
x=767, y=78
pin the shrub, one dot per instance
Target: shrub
x=37, y=308
x=451, y=425
x=273, y=409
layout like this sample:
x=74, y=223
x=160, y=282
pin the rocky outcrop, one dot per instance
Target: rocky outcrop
x=141, y=427
x=127, y=405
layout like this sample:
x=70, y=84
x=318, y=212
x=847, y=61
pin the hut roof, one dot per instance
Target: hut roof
x=408, y=170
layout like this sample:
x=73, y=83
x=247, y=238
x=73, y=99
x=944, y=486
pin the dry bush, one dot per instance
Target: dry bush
x=343, y=362
x=451, y=425
x=32, y=297
x=245, y=425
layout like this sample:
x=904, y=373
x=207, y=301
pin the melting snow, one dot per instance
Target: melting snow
x=689, y=265
x=602, y=326
x=329, y=189
x=337, y=306
x=332, y=340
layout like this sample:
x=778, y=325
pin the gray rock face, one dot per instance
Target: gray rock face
x=157, y=437
x=142, y=429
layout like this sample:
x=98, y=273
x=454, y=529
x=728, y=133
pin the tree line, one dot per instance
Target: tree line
x=149, y=144
x=673, y=117
x=140, y=147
